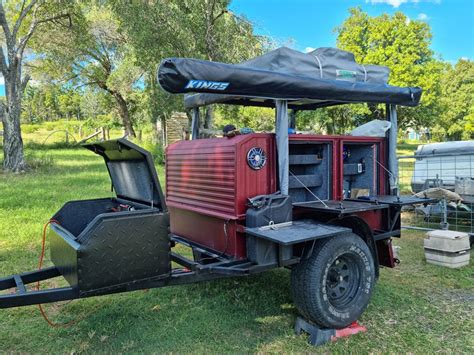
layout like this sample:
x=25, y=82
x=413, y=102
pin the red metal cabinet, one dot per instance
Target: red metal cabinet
x=208, y=182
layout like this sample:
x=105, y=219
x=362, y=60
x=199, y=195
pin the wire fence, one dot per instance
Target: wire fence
x=449, y=177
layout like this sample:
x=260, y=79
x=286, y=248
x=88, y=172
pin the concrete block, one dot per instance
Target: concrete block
x=451, y=260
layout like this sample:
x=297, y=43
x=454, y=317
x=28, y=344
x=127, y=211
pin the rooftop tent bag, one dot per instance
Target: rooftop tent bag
x=324, y=77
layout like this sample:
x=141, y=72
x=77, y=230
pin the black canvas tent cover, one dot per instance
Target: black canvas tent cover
x=323, y=77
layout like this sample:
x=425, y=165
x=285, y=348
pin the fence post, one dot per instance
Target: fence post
x=444, y=224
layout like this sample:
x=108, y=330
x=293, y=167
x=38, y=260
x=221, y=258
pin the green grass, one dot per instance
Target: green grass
x=416, y=308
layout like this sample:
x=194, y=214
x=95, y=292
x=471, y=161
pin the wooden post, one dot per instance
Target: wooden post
x=96, y=133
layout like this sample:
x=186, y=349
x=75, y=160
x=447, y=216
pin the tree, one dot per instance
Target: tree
x=48, y=101
x=257, y=118
x=94, y=52
x=69, y=103
x=457, y=100
x=95, y=102
x=19, y=22
x=403, y=45
x=224, y=37
x=195, y=28
x=339, y=119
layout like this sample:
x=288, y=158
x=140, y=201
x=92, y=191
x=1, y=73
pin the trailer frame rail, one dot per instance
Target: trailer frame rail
x=190, y=272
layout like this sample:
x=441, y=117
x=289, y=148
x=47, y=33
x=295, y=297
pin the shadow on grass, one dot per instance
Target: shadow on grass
x=223, y=315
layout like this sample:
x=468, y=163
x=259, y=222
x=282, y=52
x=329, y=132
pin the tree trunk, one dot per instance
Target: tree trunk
x=160, y=130
x=13, y=154
x=292, y=119
x=124, y=114
x=11, y=57
x=12, y=146
x=209, y=118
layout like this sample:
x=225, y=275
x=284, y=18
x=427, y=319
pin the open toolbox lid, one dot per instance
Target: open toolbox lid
x=131, y=171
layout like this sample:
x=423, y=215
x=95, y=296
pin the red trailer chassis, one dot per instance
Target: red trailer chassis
x=325, y=207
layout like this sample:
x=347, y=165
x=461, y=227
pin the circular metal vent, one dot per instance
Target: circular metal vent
x=256, y=158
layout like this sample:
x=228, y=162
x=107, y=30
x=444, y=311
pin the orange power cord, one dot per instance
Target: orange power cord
x=40, y=265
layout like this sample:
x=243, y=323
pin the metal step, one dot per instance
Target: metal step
x=297, y=232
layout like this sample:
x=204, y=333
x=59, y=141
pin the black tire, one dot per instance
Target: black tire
x=333, y=286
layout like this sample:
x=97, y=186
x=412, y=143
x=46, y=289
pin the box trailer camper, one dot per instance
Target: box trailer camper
x=448, y=164
x=261, y=200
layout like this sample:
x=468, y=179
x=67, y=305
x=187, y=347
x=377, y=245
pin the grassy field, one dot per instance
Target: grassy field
x=416, y=308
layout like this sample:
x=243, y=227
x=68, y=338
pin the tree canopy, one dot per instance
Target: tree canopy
x=203, y=29
x=94, y=51
x=457, y=101
x=403, y=45
x=98, y=58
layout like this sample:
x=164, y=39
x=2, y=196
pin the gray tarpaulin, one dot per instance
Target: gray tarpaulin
x=392, y=150
x=281, y=128
x=336, y=64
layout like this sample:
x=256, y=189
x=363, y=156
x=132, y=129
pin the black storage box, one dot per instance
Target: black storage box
x=265, y=210
x=111, y=242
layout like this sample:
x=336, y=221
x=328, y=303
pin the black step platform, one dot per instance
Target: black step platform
x=320, y=336
x=395, y=200
x=341, y=207
x=296, y=232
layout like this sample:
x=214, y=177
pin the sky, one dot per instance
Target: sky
x=308, y=24
x=305, y=24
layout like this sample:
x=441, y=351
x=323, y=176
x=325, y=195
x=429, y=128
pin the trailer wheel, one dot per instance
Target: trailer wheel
x=332, y=287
